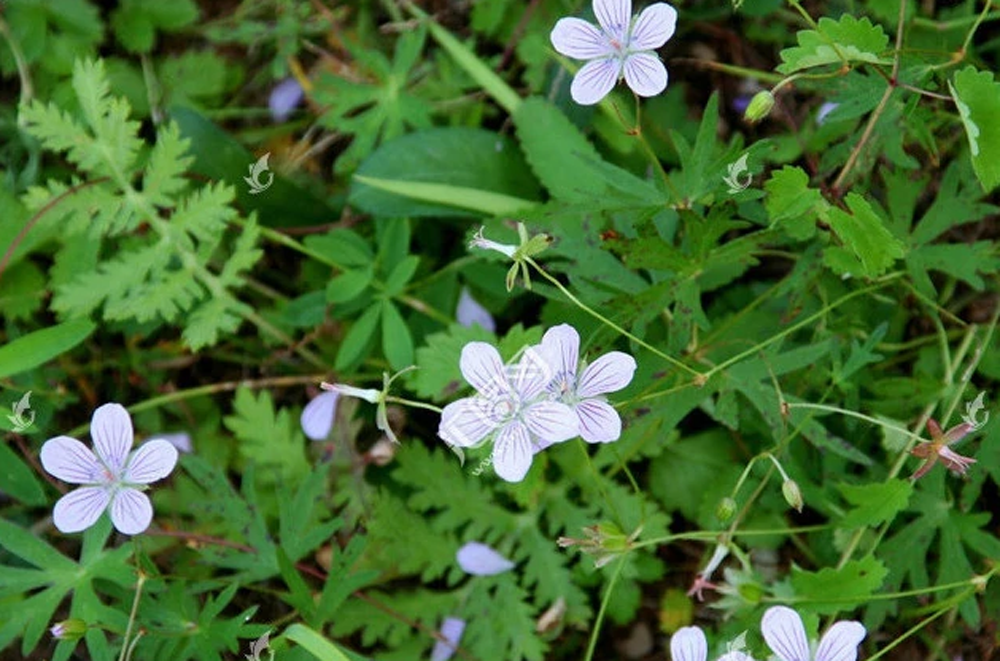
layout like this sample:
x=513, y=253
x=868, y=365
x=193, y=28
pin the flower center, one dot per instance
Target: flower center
x=563, y=385
x=503, y=408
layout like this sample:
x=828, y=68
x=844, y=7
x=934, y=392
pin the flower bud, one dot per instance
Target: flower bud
x=72, y=629
x=726, y=509
x=790, y=490
x=760, y=106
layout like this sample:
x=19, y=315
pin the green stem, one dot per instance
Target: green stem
x=131, y=617
x=413, y=404
x=592, y=645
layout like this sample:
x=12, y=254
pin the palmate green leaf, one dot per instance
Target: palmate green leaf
x=977, y=96
x=164, y=176
x=17, y=480
x=869, y=249
x=791, y=204
x=829, y=591
x=353, y=347
x=507, y=629
x=847, y=40
x=397, y=342
x=874, y=503
x=136, y=22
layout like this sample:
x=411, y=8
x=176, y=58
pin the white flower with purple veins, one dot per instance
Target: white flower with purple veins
x=786, y=636
x=113, y=478
x=480, y=559
x=689, y=644
x=620, y=46
x=470, y=312
x=317, y=416
x=510, y=406
x=584, y=390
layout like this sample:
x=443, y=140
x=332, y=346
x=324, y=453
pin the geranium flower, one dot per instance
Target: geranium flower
x=786, y=636
x=621, y=46
x=114, y=478
x=479, y=559
x=317, y=416
x=510, y=406
x=938, y=448
x=598, y=420
x=689, y=644
x=451, y=630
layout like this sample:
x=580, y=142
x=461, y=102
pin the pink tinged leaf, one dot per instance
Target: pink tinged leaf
x=466, y=422
x=532, y=373
x=131, y=511
x=451, y=630
x=479, y=559
x=552, y=422
x=614, y=16
x=512, y=452
x=599, y=422
x=111, y=429
x=71, y=461
x=609, y=373
x=594, y=80
x=562, y=344
x=784, y=633
x=688, y=644
x=841, y=642
x=576, y=38
x=470, y=313
x=151, y=462
x=654, y=27
x=80, y=508
x=483, y=369
x=317, y=416
x=645, y=74
x=954, y=461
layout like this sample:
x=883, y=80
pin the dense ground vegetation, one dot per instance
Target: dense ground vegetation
x=609, y=349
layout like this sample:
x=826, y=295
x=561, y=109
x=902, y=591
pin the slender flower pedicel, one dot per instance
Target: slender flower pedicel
x=510, y=406
x=584, y=390
x=620, y=46
x=786, y=636
x=113, y=479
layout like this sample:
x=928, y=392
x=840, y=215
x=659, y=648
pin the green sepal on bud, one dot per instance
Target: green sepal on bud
x=759, y=107
x=71, y=629
x=726, y=509
x=793, y=496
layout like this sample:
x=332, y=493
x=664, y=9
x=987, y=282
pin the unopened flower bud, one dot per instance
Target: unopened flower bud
x=72, y=629
x=760, y=106
x=790, y=490
x=726, y=509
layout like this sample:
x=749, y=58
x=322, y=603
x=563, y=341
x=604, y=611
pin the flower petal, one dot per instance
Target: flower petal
x=735, y=656
x=688, y=644
x=784, y=633
x=151, y=462
x=180, y=440
x=317, y=416
x=841, y=642
x=71, y=461
x=530, y=375
x=645, y=74
x=479, y=559
x=470, y=312
x=614, y=16
x=80, y=508
x=131, y=511
x=576, y=38
x=594, y=80
x=512, y=452
x=111, y=429
x=284, y=97
x=451, y=629
x=466, y=422
x=654, y=27
x=483, y=369
x=552, y=422
x=609, y=373
x=599, y=421
x=954, y=461
x=562, y=346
